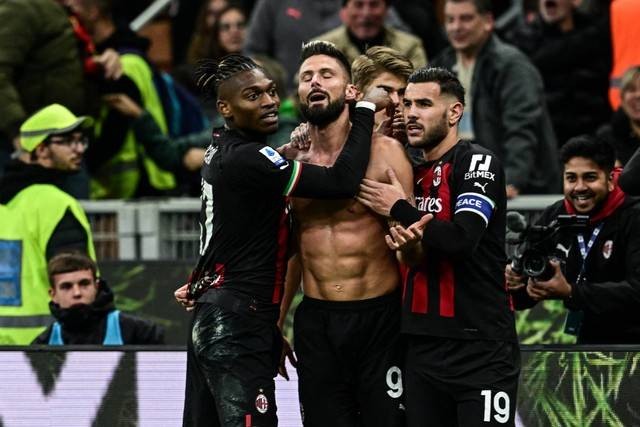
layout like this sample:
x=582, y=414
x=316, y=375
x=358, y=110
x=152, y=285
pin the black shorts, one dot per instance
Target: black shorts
x=460, y=383
x=349, y=357
x=232, y=359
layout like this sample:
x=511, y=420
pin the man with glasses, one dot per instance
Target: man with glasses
x=52, y=144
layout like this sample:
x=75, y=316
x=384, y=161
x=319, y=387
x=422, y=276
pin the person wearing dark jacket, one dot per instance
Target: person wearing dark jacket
x=84, y=309
x=39, y=65
x=504, y=105
x=563, y=42
x=117, y=163
x=623, y=131
x=630, y=177
x=600, y=284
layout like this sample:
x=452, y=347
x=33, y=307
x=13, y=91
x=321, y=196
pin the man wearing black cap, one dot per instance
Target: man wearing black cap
x=51, y=146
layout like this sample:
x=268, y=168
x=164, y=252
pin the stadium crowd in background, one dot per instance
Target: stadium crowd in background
x=86, y=113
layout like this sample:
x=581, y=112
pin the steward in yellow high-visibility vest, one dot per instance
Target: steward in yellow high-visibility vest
x=41, y=219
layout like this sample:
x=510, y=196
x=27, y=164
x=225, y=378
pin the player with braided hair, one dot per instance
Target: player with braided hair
x=235, y=345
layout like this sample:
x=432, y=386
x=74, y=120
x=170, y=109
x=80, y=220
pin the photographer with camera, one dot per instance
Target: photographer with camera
x=600, y=279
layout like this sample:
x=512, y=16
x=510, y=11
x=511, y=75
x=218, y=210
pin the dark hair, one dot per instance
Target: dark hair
x=68, y=262
x=448, y=82
x=210, y=74
x=275, y=71
x=590, y=147
x=217, y=51
x=105, y=7
x=388, y=2
x=322, y=47
x=483, y=6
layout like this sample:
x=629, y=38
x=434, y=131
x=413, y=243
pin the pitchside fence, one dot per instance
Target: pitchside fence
x=169, y=230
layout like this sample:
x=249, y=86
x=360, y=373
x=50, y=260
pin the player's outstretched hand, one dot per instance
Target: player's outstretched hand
x=378, y=96
x=404, y=239
x=379, y=196
x=287, y=353
x=182, y=297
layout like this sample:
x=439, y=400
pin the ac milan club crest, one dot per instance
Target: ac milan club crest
x=607, y=248
x=437, y=176
x=262, y=404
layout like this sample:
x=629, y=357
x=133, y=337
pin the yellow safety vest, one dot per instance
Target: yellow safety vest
x=119, y=177
x=27, y=223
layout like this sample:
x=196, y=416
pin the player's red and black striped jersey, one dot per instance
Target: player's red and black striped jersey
x=461, y=294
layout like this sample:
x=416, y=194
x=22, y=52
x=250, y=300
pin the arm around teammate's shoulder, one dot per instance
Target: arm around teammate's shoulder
x=341, y=180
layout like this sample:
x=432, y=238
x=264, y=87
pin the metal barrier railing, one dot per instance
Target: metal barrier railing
x=169, y=229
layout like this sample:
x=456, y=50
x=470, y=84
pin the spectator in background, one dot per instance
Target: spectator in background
x=623, y=131
x=83, y=307
x=39, y=65
x=52, y=143
x=202, y=37
x=625, y=33
x=279, y=27
x=504, y=102
x=421, y=16
x=600, y=283
x=227, y=35
x=119, y=167
x=363, y=26
x=572, y=51
x=630, y=177
x=187, y=152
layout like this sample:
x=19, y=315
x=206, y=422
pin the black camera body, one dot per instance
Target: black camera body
x=537, y=243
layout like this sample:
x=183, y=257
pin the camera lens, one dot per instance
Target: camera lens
x=534, y=264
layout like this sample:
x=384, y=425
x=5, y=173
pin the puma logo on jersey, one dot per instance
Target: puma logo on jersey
x=563, y=249
x=480, y=186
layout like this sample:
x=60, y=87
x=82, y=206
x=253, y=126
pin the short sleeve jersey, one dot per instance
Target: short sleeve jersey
x=461, y=297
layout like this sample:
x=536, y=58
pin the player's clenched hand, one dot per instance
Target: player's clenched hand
x=287, y=353
x=380, y=197
x=378, y=96
x=404, y=239
x=182, y=296
x=300, y=138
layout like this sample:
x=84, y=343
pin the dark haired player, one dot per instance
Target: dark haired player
x=234, y=346
x=463, y=358
x=347, y=327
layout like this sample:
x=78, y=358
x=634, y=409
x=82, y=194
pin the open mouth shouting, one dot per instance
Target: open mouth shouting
x=317, y=97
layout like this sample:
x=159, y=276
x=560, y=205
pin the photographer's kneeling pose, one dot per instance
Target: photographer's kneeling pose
x=597, y=274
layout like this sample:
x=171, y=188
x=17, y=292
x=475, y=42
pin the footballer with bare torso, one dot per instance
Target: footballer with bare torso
x=346, y=329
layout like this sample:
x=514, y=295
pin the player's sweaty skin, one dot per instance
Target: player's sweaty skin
x=341, y=244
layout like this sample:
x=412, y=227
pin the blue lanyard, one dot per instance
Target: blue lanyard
x=585, y=249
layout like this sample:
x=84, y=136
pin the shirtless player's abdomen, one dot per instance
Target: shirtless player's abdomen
x=343, y=252
x=341, y=243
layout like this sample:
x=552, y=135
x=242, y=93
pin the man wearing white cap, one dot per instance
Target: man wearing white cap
x=52, y=145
